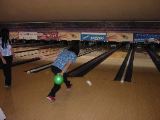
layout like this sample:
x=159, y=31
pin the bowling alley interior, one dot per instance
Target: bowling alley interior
x=113, y=75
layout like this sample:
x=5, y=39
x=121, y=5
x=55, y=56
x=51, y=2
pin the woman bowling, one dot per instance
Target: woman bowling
x=60, y=66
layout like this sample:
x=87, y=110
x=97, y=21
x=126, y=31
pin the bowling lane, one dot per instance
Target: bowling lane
x=102, y=96
x=128, y=100
x=110, y=65
x=28, y=92
x=138, y=100
x=85, y=58
x=50, y=57
x=147, y=82
x=105, y=98
x=36, y=53
x=46, y=55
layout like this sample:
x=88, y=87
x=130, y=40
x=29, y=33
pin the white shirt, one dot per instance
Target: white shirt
x=5, y=51
x=2, y=115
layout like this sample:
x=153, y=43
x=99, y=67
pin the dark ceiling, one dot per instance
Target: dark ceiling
x=78, y=10
x=101, y=15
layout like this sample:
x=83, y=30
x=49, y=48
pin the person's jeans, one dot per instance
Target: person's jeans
x=56, y=87
x=7, y=70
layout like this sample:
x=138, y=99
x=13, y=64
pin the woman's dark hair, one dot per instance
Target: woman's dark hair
x=5, y=37
x=74, y=47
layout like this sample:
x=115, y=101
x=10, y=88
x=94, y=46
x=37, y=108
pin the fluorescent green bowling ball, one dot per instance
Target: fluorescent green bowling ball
x=58, y=79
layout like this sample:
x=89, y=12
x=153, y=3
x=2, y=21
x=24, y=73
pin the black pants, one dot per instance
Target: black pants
x=56, y=87
x=7, y=70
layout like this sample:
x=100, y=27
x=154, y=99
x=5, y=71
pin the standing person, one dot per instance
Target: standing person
x=6, y=56
x=61, y=65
